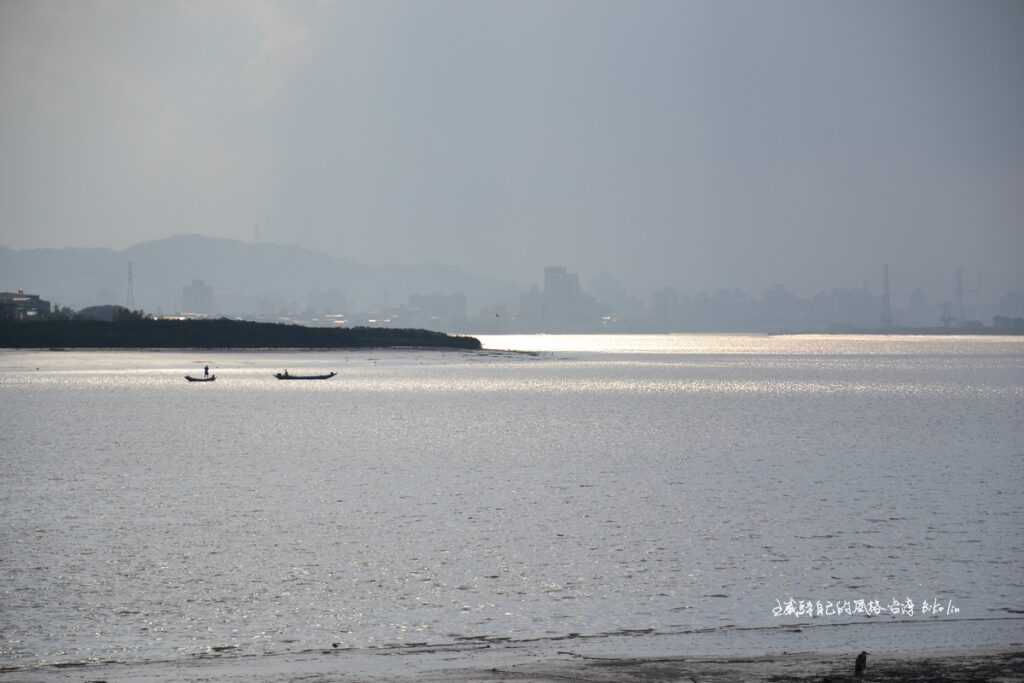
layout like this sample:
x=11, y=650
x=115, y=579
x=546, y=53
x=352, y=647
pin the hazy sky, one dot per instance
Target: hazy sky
x=700, y=144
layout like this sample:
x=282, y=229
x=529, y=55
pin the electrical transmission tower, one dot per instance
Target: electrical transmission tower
x=129, y=298
x=886, y=298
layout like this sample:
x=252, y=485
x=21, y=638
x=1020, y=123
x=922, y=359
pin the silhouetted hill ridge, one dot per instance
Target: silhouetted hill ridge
x=246, y=277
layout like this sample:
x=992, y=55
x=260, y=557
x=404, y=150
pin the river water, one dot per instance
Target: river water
x=609, y=489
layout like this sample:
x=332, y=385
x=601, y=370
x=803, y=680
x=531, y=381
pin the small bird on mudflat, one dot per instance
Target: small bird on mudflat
x=861, y=664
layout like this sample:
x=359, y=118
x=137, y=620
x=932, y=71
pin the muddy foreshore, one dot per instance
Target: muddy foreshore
x=466, y=664
x=973, y=666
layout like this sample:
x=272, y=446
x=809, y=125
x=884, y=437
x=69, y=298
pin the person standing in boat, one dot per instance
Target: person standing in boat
x=206, y=371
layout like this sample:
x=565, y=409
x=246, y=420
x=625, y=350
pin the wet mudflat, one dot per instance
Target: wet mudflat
x=963, y=667
x=473, y=663
x=988, y=666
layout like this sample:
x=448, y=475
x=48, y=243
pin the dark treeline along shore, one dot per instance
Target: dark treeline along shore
x=213, y=334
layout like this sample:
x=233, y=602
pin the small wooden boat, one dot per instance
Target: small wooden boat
x=190, y=378
x=285, y=375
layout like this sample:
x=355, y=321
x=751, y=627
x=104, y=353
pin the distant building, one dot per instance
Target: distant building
x=531, y=307
x=442, y=306
x=665, y=309
x=197, y=298
x=331, y=301
x=1007, y=324
x=561, y=293
x=21, y=306
x=918, y=311
x=564, y=304
x=1011, y=305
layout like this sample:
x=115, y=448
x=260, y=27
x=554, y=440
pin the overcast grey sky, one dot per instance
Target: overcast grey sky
x=699, y=144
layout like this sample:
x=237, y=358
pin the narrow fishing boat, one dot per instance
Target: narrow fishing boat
x=190, y=378
x=286, y=375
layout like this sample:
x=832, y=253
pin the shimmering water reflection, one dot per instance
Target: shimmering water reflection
x=428, y=497
x=760, y=344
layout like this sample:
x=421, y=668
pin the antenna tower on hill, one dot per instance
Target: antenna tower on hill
x=886, y=298
x=129, y=298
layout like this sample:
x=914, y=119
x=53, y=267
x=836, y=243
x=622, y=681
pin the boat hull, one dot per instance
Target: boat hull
x=281, y=375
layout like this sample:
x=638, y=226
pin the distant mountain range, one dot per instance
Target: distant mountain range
x=246, y=277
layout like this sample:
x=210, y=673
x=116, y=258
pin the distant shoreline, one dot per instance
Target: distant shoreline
x=222, y=334
x=873, y=332
x=926, y=332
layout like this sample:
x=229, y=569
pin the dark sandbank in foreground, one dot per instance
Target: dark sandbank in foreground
x=971, y=666
x=215, y=334
x=460, y=666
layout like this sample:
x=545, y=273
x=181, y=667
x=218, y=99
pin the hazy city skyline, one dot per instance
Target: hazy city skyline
x=191, y=274
x=693, y=145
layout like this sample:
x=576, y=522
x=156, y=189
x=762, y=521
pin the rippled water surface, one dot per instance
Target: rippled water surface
x=598, y=485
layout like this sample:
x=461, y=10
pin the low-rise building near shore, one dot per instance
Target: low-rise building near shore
x=21, y=306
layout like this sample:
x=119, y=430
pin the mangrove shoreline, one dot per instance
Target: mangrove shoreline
x=215, y=334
